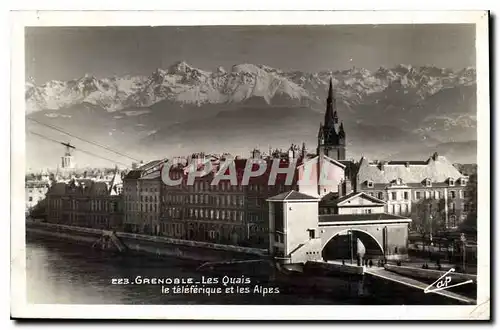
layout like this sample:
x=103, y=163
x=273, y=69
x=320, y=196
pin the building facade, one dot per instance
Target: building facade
x=224, y=212
x=141, y=197
x=403, y=184
x=85, y=203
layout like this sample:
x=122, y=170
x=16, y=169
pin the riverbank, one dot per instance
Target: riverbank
x=154, y=245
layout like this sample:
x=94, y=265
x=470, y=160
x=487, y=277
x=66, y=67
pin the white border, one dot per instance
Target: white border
x=19, y=307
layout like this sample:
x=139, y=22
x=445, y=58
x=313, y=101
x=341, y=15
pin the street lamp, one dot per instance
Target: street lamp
x=350, y=246
x=430, y=234
x=462, y=238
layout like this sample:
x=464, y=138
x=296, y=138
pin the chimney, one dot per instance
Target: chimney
x=341, y=188
x=345, y=187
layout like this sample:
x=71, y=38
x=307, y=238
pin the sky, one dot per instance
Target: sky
x=63, y=53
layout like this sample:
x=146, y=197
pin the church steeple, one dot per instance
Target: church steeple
x=331, y=107
x=341, y=130
x=331, y=135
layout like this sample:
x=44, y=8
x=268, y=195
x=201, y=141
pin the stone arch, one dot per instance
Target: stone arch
x=325, y=242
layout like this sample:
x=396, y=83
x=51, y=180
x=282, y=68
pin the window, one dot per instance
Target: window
x=311, y=233
x=437, y=194
x=405, y=195
x=394, y=195
x=451, y=182
x=466, y=207
x=30, y=199
x=369, y=184
x=380, y=195
x=453, y=221
x=452, y=207
x=278, y=217
x=462, y=182
x=427, y=182
x=277, y=238
x=452, y=194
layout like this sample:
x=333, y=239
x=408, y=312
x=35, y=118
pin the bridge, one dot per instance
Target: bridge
x=299, y=233
x=374, y=236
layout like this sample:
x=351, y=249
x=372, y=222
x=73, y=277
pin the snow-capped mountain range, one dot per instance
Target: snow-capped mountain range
x=185, y=84
x=403, y=111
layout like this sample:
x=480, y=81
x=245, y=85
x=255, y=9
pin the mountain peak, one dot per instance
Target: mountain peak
x=221, y=70
x=245, y=81
x=180, y=67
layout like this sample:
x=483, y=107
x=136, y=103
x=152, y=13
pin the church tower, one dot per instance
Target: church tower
x=331, y=135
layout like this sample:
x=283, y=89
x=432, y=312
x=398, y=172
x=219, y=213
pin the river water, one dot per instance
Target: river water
x=64, y=273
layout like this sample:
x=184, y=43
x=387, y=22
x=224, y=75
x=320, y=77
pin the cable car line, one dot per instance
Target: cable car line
x=81, y=150
x=83, y=139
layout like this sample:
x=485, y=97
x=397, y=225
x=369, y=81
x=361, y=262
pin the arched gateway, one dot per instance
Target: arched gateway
x=350, y=243
x=298, y=233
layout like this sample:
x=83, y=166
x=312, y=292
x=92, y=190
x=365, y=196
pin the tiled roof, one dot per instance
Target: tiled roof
x=291, y=195
x=150, y=164
x=58, y=188
x=134, y=174
x=354, y=194
x=419, y=185
x=359, y=217
x=436, y=168
x=79, y=187
x=331, y=196
x=407, y=162
x=150, y=176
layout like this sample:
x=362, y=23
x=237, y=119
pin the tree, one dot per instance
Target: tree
x=428, y=216
x=39, y=210
x=469, y=225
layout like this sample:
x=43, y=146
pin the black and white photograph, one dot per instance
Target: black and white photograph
x=181, y=162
